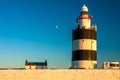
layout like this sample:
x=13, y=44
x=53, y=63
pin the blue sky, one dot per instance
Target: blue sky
x=28, y=30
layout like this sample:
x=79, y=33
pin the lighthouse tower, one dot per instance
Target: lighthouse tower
x=84, y=44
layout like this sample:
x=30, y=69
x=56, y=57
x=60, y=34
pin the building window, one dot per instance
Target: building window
x=30, y=67
x=114, y=65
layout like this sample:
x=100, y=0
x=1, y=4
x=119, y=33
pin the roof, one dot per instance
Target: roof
x=84, y=8
x=36, y=63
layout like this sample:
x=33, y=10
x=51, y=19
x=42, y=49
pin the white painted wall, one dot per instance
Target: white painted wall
x=31, y=67
x=84, y=44
x=35, y=67
x=87, y=64
x=61, y=74
x=106, y=65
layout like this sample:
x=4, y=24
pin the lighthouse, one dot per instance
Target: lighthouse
x=84, y=43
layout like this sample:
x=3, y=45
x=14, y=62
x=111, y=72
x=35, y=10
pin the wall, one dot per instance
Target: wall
x=35, y=67
x=60, y=74
x=31, y=67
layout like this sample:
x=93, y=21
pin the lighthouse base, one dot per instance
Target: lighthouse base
x=84, y=64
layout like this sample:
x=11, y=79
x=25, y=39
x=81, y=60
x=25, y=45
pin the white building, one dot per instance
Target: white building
x=111, y=65
x=36, y=65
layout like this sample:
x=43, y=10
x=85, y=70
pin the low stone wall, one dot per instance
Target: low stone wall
x=60, y=74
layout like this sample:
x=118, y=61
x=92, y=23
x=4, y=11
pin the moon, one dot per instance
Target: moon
x=56, y=26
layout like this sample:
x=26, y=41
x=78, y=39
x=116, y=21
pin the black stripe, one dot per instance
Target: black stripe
x=84, y=34
x=84, y=12
x=84, y=55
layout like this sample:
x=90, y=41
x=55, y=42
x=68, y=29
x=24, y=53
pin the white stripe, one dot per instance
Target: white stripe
x=85, y=22
x=84, y=44
x=87, y=64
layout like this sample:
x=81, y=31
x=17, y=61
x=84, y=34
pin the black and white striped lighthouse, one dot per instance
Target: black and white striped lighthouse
x=84, y=44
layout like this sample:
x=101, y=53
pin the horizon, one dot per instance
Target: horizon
x=42, y=29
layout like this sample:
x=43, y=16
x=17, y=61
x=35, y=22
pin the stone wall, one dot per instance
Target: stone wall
x=60, y=74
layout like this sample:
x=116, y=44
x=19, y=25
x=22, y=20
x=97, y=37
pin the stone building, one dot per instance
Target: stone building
x=35, y=65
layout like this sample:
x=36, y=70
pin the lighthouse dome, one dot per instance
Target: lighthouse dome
x=84, y=8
